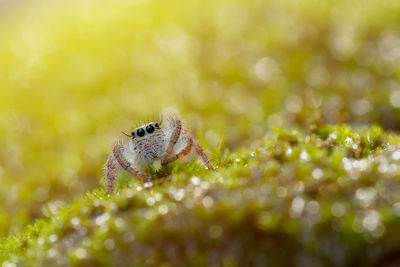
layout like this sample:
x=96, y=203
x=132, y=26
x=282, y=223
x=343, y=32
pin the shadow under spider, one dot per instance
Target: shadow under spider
x=161, y=175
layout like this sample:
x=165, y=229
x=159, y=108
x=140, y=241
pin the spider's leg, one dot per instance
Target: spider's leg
x=202, y=154
x=112, y=167
x=199, y=150
x=191, y=141
x=174, y=138
x=119, y=156
x=181, y=154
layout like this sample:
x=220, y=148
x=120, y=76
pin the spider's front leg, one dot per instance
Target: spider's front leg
x=191, y=141
x=117, y=158
x=111, y=172
x=174, y=138
x=182, y=153
x=200, y=151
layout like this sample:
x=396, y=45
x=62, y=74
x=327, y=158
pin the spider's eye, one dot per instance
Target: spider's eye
x=150, y=128
x=140, y=132
x=133, y=134
x=156, y=125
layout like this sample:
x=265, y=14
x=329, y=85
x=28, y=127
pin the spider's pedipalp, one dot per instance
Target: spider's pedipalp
x=131, y=135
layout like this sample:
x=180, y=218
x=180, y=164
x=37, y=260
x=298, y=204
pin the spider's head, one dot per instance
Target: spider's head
x=144, y=130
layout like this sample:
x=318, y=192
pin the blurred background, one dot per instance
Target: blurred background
x=74, y=74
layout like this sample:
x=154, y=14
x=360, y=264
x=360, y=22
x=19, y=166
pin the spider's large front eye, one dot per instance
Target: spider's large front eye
x=150, y=128
x=140, y=132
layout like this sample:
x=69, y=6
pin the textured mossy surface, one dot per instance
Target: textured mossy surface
x=74, y=74
x=328, y=196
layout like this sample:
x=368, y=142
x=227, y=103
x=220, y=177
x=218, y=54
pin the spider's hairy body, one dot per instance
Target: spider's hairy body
x=146, y=149
x=151, y=142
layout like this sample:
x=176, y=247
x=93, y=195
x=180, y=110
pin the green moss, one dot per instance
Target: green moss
x=329, y=196
x=74, y=74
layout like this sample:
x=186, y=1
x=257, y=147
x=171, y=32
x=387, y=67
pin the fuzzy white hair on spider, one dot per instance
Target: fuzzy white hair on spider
x=167, y=141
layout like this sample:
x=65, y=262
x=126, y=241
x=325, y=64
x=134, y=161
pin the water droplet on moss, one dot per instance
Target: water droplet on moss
x=215, y=231
x=304, y=156
x=312, y=207
x=129, y=193
x=128, y=237
x=179, y=194
x=365, y=196
x=163, y=209
x=53, y=238
x=52, y=253
x=158, y=197
x=100, y=220
x=396, y=155
x=207, y=202
x=317, y=173
x=195, y=180
x=205, y=185
x=40, y=240
x=371, y=221
x=147, y=185
x=119, y=223
x=338, y=209
x=197, y=192
x=109, y=244
x=75, y=221
x=150, y=201
x=297, y=207
x=81, y=253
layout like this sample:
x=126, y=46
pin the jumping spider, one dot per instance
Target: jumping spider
x=152, y=142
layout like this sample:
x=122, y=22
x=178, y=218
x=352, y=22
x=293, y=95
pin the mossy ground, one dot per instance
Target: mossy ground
x=74, y=74
x=328, y=196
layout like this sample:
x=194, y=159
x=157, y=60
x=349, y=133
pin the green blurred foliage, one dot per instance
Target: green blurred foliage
x=73, y=74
